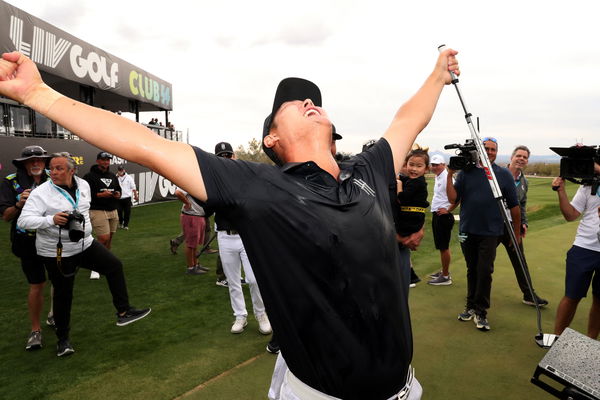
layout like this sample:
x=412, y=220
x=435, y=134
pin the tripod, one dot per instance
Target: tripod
x=544, y=340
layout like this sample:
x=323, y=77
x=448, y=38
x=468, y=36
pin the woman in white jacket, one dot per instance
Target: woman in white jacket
x=47, y=210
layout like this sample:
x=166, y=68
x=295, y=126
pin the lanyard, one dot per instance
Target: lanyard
x=67, y=195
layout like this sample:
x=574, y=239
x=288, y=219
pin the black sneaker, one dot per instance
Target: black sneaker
x=222, y=282
x=273, y=347
x=529, y=301
x=173, y=246
x=481, y=323
x=202, y=268
x=132, y=315
x=64, y=348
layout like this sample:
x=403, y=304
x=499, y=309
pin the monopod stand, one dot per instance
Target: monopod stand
x=544, y=340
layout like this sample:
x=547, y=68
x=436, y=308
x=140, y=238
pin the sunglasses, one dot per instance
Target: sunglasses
x=34, y=152
x=490, y=139
x=226, y=155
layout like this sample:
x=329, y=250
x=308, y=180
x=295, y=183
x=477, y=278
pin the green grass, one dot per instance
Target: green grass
x=184, y=347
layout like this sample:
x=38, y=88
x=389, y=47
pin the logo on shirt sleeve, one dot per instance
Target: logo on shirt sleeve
x=364, y=187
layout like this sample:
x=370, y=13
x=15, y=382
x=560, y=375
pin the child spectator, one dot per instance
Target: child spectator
x=412, y=202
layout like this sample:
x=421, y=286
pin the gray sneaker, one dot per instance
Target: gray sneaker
x=195, y=271
x=466, y=315
x=435, y=274
x=482, y=323
x=441, y=280
x=50, y=321
x=35, y=341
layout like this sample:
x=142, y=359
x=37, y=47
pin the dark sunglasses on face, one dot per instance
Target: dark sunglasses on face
x=226, y=155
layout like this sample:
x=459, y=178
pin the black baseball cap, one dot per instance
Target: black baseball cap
x=30, y=152
x=103, y=155
x=334, y=134
x=289, y=89
x=223, y=148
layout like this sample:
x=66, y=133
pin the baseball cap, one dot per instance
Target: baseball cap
x=103, y=155
x=289, y=89
x=30, y=152
x=334, y=134
x=223, y=148
x=437, y=159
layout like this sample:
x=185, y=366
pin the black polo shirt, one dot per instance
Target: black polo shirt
x=325, y=257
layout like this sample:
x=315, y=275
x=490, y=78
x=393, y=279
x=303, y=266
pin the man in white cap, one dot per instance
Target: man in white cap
x=442, y=221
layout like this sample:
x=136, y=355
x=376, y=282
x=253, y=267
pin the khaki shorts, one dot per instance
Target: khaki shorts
x=104, y=222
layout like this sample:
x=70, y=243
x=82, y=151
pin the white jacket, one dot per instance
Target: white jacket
x=38, y=213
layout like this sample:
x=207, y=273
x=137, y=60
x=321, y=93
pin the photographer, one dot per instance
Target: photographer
x=583, y=259
x=14, y=192
x=64, y=243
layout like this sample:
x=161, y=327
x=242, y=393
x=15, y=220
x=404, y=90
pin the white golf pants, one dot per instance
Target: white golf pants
x=231, y=250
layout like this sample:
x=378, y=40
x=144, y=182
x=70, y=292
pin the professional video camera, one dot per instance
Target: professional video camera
x=577, y=164
x=75, y=223
x=466, y=155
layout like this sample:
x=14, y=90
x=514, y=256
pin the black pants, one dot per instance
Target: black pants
x=480, y=253
x=124, y=211
x=514, y=260
x=95, y=257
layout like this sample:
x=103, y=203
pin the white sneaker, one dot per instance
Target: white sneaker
x=264, y=326
x=239, y=325
x=94, y=275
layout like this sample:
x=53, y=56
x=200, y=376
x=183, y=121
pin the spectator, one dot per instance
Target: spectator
x=63, y=247
x=106, y=192
x=481, y=224
x=442, y=221
x=518, y=161
x=14, y=192
x=583, y=259
x=411, y=204
x=192, y=222
x=128, y=189
x=231, y=252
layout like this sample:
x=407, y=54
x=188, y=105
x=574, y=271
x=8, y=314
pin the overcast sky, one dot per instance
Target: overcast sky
x=530, y=69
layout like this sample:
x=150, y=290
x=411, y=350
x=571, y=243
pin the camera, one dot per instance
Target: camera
x=75, y=225
x=466, y=155
x=577, y=164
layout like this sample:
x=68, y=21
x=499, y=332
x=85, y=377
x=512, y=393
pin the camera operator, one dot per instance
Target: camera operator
x=583, y=259
x=481, y=224
x=64, y=242
x=14, y=191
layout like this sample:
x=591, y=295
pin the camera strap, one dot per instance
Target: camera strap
x=59, y=245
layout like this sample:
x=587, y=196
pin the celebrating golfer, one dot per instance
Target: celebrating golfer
x=317, y=233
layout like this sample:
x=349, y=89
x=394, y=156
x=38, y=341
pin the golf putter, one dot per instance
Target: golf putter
x=544, y=340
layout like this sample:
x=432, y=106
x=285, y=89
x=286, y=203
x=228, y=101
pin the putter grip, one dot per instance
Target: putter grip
x=555, y=188
x=441, y=49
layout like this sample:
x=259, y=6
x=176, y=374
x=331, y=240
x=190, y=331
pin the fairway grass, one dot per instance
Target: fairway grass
x=183, y=349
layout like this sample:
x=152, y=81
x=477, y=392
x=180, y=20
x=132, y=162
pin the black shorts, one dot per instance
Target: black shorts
x=442, y=230
x=34, y=270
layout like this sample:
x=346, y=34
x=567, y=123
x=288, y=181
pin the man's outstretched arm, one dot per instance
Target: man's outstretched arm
x=415, y=114
x=176, y=161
